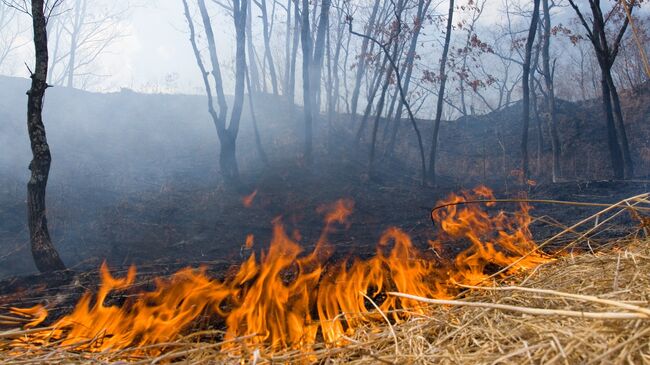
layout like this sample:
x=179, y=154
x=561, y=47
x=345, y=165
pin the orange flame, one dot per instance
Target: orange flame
x=248, y=199
x=288, y=299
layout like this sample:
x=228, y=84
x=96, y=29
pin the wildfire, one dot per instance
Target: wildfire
x=289, y=299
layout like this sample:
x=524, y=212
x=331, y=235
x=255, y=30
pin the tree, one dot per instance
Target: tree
x=596, y=32
x=361, y=63
x=305, y=39
x=398, y=79
x=319, y=50
x=227, y=134
x=530, y=40
x=81, y=35
x=441, y=94
x=11, y=31
x=550, y=91
x=45, y=255
x=267, y=45
x=423, y=6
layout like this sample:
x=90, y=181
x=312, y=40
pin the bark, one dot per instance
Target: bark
x=441, y=93
x=45, y=255
x=305, y=39
x=526, y=90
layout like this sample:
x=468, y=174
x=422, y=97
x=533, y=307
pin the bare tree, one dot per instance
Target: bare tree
x=45, y=255
x=319, y=49
x=82, y=34
x=547, y=72
x=530, y=40
x=361, y=62
x=407, y=69
x=268, y=56
x=596, y=32
x=398, y=78
x=227, y=134
x=11, y=31
x=441, y=93
x=305, y=39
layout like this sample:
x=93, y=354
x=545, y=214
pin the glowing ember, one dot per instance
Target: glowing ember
x=287, y=299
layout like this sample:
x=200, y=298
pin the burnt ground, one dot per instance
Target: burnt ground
x=148, y=193
x=166, y=230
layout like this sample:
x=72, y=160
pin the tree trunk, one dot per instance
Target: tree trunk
x=287, y=50
x=612, y=139
x=441, y=93
x=267, y=47
x=45, y=255
x=526, y=90
x=74, y=34
x=305, y=39
x=628, y=166
x=319, y=50
x=252, y=63
x=361, y=63
x=294, y=54
x=380, y=108
x=550, y=93
x=256, y=131
x=423, y=6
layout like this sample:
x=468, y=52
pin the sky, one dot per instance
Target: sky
x=154, y=56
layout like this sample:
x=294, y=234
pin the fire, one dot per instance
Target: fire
x=287, y=298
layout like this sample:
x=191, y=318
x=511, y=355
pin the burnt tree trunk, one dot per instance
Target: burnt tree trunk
x=441, y=93
x=616, y=135
x=526, y=90
x=612, y=138
x=45, y=255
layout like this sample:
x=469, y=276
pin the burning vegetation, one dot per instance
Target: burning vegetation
x=285, y=304
x=286, y=298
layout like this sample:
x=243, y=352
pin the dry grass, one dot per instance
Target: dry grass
x=584, y=308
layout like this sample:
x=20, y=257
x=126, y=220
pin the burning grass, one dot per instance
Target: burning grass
x=501, y=300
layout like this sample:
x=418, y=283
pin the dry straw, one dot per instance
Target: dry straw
x=583, y=308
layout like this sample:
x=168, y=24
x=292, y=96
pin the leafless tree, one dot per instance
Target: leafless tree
x=81, y=34
x=441, y=92
x=45, y=255
x=11, y=31
x=227, y=133
x=305, y=40
x=596, y=32
x=530, y=40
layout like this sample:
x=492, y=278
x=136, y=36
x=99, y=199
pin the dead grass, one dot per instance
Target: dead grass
x=583, y=308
